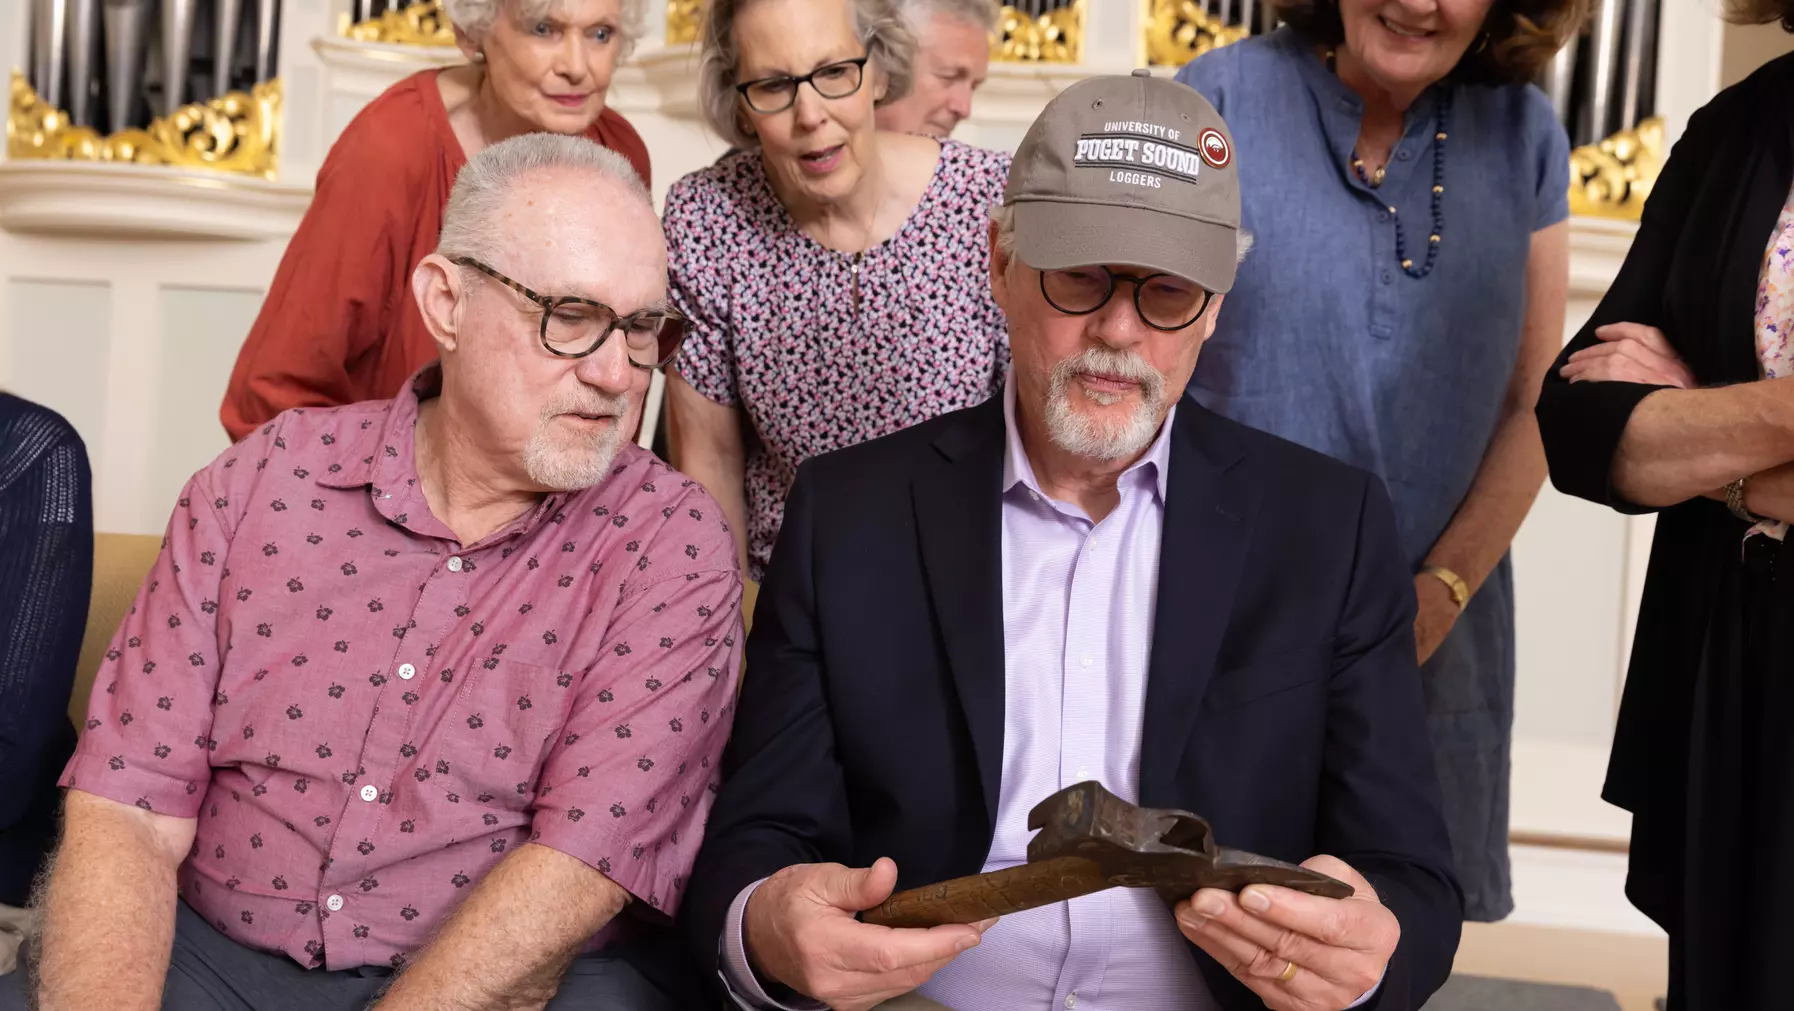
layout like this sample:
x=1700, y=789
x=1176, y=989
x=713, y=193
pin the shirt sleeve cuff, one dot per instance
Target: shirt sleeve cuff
x=1372, y=992
x=737, y=975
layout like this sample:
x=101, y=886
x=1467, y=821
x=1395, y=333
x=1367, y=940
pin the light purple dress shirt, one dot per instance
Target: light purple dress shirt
x=1078, y=605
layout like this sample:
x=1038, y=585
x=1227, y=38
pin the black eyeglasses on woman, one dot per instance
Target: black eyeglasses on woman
x=768, y=95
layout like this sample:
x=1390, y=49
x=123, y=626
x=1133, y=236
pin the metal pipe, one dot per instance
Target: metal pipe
x=267, y=37
x=1641, y=23
x=84, y=43
x=177, y=52
x=1604, y=51
x=1246, y=14
x=127, y=34
x=50, y=31
x=228, y=18
x=1560, y=80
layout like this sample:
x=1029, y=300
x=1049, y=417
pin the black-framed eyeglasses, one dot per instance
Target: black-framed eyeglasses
x=1164, y=301
x=574, y=327
x=768, y=95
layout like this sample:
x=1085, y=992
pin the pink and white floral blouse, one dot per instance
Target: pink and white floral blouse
x=1775, y=318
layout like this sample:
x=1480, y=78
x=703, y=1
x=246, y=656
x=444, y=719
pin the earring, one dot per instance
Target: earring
x=479, y=56
x=1482, y=43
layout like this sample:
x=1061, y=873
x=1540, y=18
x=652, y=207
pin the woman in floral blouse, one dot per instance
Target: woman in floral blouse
x=1678, y=398
x=836, y=276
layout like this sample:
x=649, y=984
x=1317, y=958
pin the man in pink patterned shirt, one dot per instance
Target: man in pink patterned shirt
x=421, y=694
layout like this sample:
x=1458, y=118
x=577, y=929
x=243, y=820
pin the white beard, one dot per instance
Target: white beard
x=1088, y=437
x=561, y=461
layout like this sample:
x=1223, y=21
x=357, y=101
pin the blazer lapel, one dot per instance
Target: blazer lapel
x=959, y=519
x=1208, y=509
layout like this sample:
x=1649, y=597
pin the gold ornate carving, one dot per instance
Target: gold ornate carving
x=1054, y=37
x=416, y=24
x=235, y=133
x=685, y=21
x=1612, y=179
x=1178, y=31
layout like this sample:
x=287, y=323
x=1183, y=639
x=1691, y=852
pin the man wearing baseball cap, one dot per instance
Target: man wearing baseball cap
x=1087, y=579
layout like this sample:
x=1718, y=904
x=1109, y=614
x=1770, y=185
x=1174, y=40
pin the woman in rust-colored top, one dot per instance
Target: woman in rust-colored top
x=339, y=324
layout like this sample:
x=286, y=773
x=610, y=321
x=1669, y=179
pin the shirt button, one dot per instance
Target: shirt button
x=369, y=793
x=334, y=903
x=1382, y=215
x=1404, y=154
x=454, y=564
x=407, y=671
x=1071, y=1000
x=1388, y=278
x=1084, y=662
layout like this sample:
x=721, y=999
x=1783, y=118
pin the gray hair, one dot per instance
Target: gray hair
x=886, y=34
x=984, y=14
x=1004, y=216
x=469, y=223
x=475, y=17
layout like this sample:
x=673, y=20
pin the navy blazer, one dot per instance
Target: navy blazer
x=1283, y=702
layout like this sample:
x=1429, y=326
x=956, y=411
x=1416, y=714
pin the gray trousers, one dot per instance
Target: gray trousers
x=209, y=972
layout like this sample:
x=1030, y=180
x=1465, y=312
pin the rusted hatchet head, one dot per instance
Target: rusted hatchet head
x=1086, y=840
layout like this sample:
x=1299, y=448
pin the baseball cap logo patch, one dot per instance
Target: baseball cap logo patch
x=1214, y=148
x=1130, y=151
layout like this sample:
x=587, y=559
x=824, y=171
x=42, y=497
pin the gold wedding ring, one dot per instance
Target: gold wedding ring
x=1288, y=973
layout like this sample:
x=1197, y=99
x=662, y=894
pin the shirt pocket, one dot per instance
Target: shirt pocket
x=489, y=749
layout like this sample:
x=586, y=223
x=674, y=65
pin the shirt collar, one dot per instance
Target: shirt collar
x=374, y=454
x=1017, y=470
x=382, y=457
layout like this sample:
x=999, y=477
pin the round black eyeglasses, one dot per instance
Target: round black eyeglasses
x=574, y=327
x=1164, y=301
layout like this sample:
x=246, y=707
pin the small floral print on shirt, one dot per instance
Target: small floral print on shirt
x=1775, y=319
x=823, y=350
x=365, y=716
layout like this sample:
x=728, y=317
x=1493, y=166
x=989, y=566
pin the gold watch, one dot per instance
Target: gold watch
x=1460, y=590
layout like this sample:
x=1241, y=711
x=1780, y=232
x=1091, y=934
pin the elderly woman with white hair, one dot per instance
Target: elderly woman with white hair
x=339, y=325
x=836, y=277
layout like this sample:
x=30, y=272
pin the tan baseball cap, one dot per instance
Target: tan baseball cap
x=1133, y=170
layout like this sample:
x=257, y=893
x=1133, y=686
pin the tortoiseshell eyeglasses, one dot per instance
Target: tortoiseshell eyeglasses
x=574, y=327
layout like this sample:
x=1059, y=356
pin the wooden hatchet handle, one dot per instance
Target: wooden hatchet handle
x=982, y=896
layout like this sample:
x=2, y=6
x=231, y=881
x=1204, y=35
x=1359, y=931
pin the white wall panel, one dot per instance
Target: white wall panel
x=200, y=330
x=59, y=343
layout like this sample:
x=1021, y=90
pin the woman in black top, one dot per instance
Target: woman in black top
x=46, y=572
x=1678, y=397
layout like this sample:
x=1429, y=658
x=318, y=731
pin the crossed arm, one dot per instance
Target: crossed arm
x=109, y=921
x=1682, y=441
x=1624, y=420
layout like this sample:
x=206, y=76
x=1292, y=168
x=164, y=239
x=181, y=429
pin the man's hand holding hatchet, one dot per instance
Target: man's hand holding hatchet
x=1309, y=938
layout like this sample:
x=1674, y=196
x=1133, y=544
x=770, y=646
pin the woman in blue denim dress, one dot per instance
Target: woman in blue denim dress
x=1409, y=196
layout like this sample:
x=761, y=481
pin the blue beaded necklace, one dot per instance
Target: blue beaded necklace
x=1401, y=239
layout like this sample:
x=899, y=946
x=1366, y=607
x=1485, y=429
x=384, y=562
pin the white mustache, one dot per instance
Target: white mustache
x=1109, y=362
x=613, y=405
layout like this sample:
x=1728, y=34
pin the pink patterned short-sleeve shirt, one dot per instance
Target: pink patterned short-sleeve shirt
x=822, y=349
x=365, y=716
